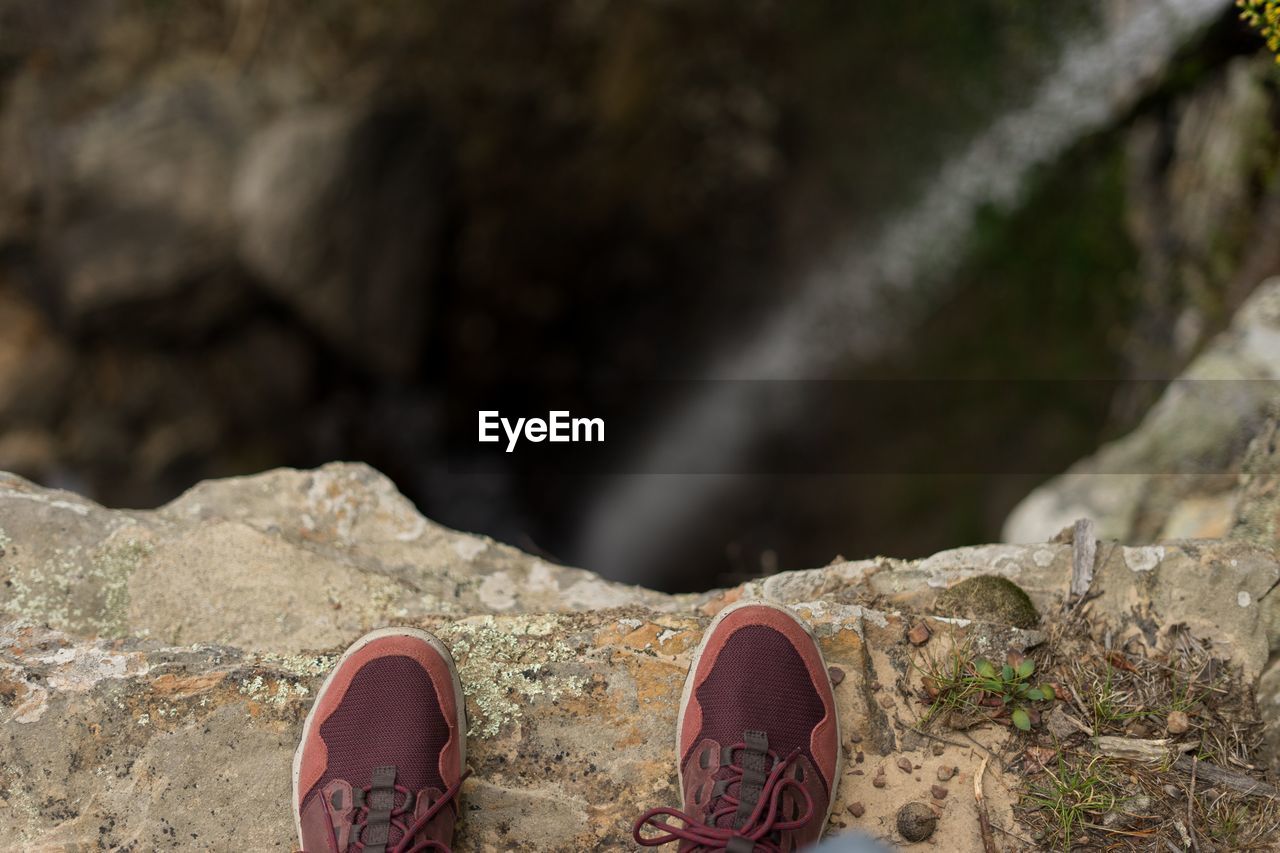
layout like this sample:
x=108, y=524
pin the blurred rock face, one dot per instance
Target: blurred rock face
x=243, y=234
x=130, y=222
x=187, y=242
x=1204, y=213
x=1178, y=475
x=162, y=209
x=234, y=224
x=339, y=215
x=1201, y=210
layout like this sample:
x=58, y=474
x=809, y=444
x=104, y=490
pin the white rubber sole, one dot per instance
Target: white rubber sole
x=429, y=639
x=693, y=668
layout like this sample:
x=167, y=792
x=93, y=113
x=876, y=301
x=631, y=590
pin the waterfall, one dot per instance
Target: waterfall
x=840, y=312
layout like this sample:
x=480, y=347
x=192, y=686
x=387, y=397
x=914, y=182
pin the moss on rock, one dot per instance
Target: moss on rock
x=988, y=598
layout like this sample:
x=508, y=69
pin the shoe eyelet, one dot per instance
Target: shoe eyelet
x=704, y=759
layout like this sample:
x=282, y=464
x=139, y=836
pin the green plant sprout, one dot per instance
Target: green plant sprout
x=1073, y=795
x=977, y=686
x=1011, y=686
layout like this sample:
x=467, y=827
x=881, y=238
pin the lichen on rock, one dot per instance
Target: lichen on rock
x=572, y=683
x=504, y=665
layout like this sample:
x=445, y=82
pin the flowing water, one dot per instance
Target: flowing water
x=842, y=312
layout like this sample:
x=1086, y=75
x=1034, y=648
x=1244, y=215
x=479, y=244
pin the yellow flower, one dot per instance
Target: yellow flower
x=1264, y=15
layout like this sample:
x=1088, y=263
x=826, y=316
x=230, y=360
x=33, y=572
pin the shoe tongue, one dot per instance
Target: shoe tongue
x=753, y=758
x=379, y=834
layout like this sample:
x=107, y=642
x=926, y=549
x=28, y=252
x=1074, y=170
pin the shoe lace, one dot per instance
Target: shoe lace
x=406, y=844
x=761, y=828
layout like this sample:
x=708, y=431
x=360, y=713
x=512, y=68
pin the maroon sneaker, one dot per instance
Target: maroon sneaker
x=382, y=752
x=758, y=739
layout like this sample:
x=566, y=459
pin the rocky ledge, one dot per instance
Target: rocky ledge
x=155, y=667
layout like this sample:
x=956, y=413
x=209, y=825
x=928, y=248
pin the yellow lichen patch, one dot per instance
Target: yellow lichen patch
x=274, y=692
x=1265, y=16
x=303, y=666
x=80, y=589
x=506, y=664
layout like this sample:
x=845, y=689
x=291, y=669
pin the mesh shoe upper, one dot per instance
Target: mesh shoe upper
x=758, y=742
x=759, y=682
x=390, y=715
x=380, y=763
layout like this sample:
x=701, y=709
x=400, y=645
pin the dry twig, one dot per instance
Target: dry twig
x=1084, y=549
x=1239, y=782
x=984, y=819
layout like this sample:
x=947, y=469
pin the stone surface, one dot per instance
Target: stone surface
x=1208, y=517
x=1200, y=223
x=343, y=551
x=572, y=720
x=161, y=708
x=1189, y=445
x=1257, y=506
x=279, y=562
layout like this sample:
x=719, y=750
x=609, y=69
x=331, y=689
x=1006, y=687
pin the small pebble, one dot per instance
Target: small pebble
x=836, y=674
x=860, y=757
x=886, y=701
x=945, y=773
x=857, y=809
x=938, y=749
x=879, y=782
x=939, y=792
x=1041, y=755
x=1177, y=722
x=856, y=738
x=904, y=764
x=919, y=634
x=856, y=773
